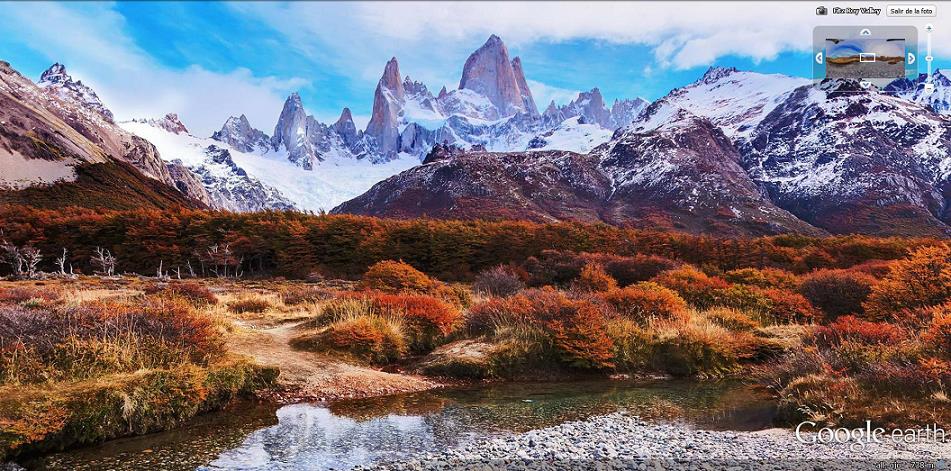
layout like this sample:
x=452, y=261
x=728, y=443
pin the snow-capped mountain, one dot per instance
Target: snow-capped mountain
x=238, y=133
x=852, y=159
x=60, y=147
x=57, y=81
x=264, y=178
x=493, y=108
x=914, y=90
x=732, y=153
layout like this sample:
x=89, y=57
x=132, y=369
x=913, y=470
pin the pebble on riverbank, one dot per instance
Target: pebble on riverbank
x=621, y=441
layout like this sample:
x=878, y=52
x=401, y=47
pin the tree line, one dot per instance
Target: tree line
x=186, y=242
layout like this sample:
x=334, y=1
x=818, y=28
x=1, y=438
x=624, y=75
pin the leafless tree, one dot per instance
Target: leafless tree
x=160, y=274
x=61, y=262
x=31, y=259
x=104, y=261
x=11, y=255
x=220, y=259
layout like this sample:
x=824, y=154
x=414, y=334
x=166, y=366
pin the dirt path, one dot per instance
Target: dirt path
x=311, y=376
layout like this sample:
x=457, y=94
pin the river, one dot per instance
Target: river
x=342, y=434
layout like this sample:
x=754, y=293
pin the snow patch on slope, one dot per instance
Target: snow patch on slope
x=337, y=179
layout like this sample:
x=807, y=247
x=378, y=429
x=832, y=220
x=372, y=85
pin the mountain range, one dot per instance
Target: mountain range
x=734, y=153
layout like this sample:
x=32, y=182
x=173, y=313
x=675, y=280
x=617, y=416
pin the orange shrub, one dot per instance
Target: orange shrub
x=761, y=277
x=695, y=286
x=923, y=279
x=426, y=318
x=646, y=300
x=938, y=333
x=837, y=292
x=788, y=307
x=392, y=276
x=370, y=338
x=19, y=294
x=851, y=328
x=581, y=338
x=194, y=292
x=875, y=268
x=593, y=278
x=484, y=317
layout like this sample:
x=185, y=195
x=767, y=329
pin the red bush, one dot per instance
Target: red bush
x=593, y=278
x=392, y=276
x=938, y=333
x=630, y=270
x=923, y=279
x=837, y=292
x=696, y=287
x=19, y=294
x=788, y=307
x=194, y=292
x=761, y=277
x=647, y=300
x=854, y=329
x=581, y=339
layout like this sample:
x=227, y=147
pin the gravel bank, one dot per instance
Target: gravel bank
x=621, y=441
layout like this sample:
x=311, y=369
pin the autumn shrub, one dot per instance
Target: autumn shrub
x=775, y=305
x=553, y=267
x=632, y=344
x=788, y=307
x=938, y=333
x=246, y=305
x=645, y=301
x=85, y=341
x=593, y=278
x=761, y=277
x=492, y=314
x=533, y=320
x=696, y=287
x=630, y=270
x=501, y=280
x=298, y=295
x=194, y=292
x=877, y=269
x=579, y=335
x=923, y=279
x=851, y=328
x=396, y=276
x=426, y=319
x=837, y=292
x=372, y=338
x=21, y=294
x=693, y=348
x=732, y=319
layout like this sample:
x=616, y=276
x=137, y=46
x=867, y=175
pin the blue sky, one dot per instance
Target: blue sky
x=207, y=61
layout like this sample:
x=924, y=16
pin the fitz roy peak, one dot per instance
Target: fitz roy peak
x=490, y=73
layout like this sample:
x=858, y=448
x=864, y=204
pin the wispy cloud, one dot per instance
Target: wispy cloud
x=545, y=94
x=95, y=48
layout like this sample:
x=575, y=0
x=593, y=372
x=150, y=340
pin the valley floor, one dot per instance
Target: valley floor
x=307, y=376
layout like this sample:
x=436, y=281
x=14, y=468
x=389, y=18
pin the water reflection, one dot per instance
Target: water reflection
x=349, y=433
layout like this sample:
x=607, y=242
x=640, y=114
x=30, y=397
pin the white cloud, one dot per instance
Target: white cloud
x=93, y=46
x=545, y=94
x=683, y=34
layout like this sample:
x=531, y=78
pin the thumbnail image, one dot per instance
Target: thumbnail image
x=865, y=58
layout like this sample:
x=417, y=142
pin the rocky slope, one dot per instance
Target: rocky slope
x=57, y=138
x=734, y=153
